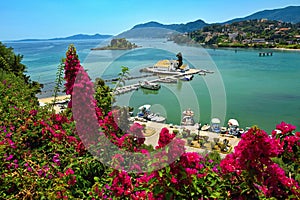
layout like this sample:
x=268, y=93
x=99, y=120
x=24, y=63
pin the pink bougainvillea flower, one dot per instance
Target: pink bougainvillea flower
x=55, y=159
x=72, y=180
x=191, y=171
x=174, y=180
x=33, y=112
x=69, y=171
x=285, y=128
x=10, y=157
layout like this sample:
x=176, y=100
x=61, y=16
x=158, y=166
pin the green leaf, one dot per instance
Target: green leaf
x=213, y=183
x=96, y=179
x=160, y=173
x=168, y=169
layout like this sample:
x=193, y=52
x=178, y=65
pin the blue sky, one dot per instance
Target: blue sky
x=22, y=19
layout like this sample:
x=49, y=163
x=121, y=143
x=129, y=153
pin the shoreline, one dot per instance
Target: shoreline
x=46, y=100
x=285, y=49
x=249, y=48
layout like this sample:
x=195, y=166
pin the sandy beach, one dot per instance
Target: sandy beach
x=285, y=49
x=50, y=99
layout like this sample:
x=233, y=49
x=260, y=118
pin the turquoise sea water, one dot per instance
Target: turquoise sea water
x=255, y=90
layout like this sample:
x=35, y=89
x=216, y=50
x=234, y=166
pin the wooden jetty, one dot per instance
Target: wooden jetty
x=265, y=53
x=129, y=88
x=130, y=78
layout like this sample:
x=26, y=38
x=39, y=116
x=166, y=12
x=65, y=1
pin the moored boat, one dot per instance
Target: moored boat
x=157, y=118
x=146, y=114
x=187, y=77
x=150, y=86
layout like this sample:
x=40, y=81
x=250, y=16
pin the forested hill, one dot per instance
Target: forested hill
x=288, y=14
x=188, y=27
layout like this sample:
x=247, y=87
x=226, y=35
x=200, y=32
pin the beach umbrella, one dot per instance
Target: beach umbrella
x=233, y=122
x=146, y=106
x=215, y=121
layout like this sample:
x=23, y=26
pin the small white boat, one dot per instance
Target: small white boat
x=202, y=73
x=157, y=118
x=148, y=115
x=150, y=86
x=168, y=80
x=187, y=78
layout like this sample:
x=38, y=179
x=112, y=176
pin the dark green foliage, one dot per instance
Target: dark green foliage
x=10, y=63
x=20, y=96
x=103, y=96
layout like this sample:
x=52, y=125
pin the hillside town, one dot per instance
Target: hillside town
x=261, y=33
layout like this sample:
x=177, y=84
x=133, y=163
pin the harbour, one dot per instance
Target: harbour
x=164, y=79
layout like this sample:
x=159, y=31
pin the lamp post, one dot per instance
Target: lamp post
x=199, y=128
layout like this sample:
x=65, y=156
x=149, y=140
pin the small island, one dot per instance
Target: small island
x=118, y=44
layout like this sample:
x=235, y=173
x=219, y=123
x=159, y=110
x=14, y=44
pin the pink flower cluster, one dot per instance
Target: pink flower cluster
x=178, y=175
x=53, y=129
x=285, y=128
x=289, y=140
x=164, y=138
x=72, y=66
x=252, y=158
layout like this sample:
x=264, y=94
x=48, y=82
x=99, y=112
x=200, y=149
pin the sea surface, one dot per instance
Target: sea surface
x=254, y=90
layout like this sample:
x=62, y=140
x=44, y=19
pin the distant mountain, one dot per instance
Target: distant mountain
x=83, y=37
x=188, y=27
x=288, y=14
x=158, y=30
x=73, y=37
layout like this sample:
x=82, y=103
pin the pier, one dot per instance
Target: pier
x=265, y=54
x=164, y=79
x=131, y=78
